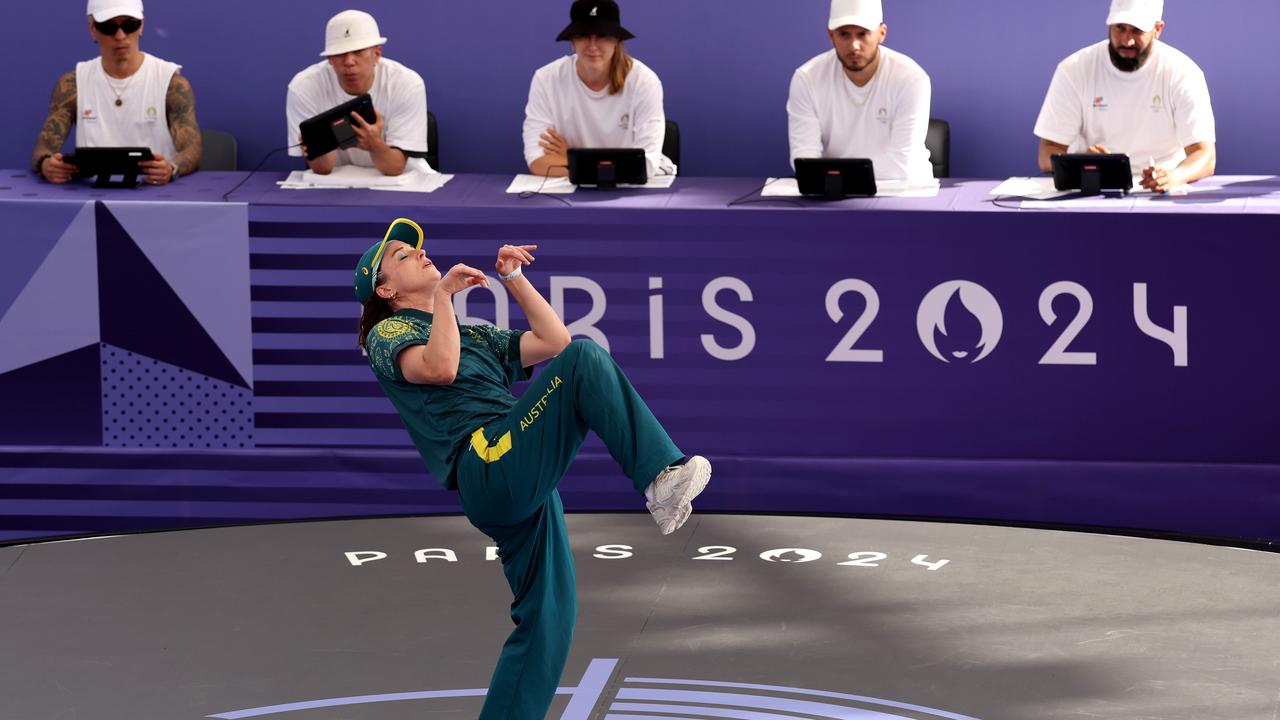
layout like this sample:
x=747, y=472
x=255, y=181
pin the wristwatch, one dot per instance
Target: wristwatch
x=173, y=165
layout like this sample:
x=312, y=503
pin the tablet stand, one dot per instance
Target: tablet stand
x=833, y=187
x=127, y=180
x=1090, y=180
x=606, y=175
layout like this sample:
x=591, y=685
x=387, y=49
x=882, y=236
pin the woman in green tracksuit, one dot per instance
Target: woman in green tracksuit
x=505, y=455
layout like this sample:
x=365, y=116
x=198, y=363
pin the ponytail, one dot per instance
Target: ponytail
x=619, y=68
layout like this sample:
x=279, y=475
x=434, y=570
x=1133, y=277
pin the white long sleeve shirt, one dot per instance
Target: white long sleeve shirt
x=585, y=118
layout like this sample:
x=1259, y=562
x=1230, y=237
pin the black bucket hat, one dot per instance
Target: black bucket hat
x=595, y=17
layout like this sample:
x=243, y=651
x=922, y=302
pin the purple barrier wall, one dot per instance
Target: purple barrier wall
x=1097, y=368
x=725, y=65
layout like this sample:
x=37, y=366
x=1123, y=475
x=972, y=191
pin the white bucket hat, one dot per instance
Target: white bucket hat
x=351, y=30
x=863, y=13
x=1142, y=14
x=104, y=10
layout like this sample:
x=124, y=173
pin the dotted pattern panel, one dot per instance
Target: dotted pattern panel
x=147, y=403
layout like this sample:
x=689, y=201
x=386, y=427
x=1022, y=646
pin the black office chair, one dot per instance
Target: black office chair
x=433, y=142
x=938, y=140
x=219, y=151
x=671, y=142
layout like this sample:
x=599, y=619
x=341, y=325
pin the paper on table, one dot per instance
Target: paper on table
x=904, y=189
x=1071, y=199
x=780, y=187
x=346, y=176
x=534, y=183
x=1042, y=189
x=1028, y=187
x=787, y=187
x=524, y=183
x=419, y=183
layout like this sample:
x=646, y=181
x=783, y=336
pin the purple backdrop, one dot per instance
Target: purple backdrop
x=725, y=65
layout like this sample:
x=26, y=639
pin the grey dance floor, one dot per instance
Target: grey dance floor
x=756, y=618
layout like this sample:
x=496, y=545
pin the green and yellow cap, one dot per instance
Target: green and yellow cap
x=402, y=229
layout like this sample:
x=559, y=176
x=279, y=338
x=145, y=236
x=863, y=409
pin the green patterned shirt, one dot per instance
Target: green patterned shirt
x=441, y=418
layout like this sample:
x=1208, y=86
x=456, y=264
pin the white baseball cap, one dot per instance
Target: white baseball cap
x=104, y=10
x=351, y=30
x=1142, y=14
x=863, y=13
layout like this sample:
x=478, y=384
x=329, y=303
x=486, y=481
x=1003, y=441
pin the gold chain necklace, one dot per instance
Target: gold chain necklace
x=123, y=89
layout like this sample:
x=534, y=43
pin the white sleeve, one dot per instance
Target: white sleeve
x=910, y=126
x=539, y=116
x=649, y=126
x=804, y=131
x=1192, y=111
x=406, y=115
x=298, y=107
x=1061, y=117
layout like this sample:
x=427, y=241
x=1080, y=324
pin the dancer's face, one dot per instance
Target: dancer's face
x=405, y=270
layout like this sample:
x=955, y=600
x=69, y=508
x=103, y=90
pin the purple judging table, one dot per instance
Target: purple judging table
x=1086, y=362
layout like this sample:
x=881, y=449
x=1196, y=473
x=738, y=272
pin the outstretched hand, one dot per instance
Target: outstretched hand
x=511, y=257
x=460, y=277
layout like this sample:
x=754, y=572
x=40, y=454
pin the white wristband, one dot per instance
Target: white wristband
x=514, y=274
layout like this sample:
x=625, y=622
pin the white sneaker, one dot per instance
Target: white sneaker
x=670, y=495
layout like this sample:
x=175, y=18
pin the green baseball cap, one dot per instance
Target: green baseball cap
x=402, y=229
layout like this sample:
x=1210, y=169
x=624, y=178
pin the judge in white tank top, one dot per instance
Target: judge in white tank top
x=599, y=97
x=1135, y=95
x=122, y=98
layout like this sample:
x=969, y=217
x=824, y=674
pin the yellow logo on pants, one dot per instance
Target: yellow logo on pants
x=536, y=411
x=487, y=452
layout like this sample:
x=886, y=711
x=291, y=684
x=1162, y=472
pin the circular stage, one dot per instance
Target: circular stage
x=752, y=617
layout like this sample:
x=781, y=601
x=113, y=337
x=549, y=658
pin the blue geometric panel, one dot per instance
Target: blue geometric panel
x=56, y=307
x=150, y=404
x=53, y=402
x=31, y=230
x=140, y=311
x=202, y=251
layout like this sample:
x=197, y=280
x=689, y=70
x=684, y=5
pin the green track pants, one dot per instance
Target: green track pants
x=507, y=482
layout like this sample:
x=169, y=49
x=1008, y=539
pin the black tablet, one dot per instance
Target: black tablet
x=112, y=166
x=331, y=129
x=607, y=167
x=835, y=178
x=1092, y=174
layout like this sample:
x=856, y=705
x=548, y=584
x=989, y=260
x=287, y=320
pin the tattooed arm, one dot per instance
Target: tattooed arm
x=46, y=158
x=180, y=109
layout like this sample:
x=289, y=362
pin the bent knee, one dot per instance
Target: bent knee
x=584, y=345
x=584, y=349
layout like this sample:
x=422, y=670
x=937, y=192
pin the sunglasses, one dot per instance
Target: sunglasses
x=109, y=28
